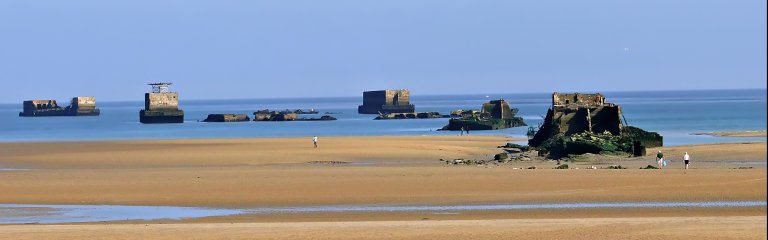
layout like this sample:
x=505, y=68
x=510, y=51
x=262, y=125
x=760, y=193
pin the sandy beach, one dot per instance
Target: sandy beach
x=738, y=227
x=242, y=173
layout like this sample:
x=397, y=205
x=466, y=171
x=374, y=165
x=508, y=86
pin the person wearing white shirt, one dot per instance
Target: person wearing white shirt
x=687, y=159
x=314, y=140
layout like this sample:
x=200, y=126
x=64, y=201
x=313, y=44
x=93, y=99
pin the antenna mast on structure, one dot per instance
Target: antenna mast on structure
x=160, y=87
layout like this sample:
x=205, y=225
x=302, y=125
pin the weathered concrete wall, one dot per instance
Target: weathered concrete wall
x=33, y=105
x=398, y=97
x=374, y=98
x=161, y=101
x=274, y=116
x=161, y=107
x=584, y=123
x=387, y=97
x=39, y=108
x=565, y=99
x=498, y=109
x=84, y=104
x=260, y=116
x=386, y=101
x=495, y=114
x=597, y=119
x=573, y=113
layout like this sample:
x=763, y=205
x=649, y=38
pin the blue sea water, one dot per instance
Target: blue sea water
x=674, y=114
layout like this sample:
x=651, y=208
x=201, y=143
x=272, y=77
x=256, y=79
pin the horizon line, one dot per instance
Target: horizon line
x=432, y=94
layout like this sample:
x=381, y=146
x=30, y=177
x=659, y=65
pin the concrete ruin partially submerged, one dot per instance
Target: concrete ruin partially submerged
x=218, y=117
x=296, y=111
x=386, y=101
x=261, y=116
x=494, y=115
x=161, y=105
x=585, y=123
x=413, y=115
x=79, y=106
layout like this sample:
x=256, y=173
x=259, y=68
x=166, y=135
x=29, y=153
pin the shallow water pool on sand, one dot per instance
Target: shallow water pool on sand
x=42, y=213
x=39, y=213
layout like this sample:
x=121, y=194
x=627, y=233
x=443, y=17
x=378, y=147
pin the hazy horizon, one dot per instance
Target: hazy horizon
x=490, y=95
x=299, y=49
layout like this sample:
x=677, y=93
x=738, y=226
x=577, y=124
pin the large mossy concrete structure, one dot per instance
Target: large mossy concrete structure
x=493, y=115
x=161, y=105
x=386, y=101
x=79, y=106
x=580, y=123
x=576, y=112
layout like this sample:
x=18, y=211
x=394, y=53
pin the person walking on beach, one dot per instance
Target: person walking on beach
x=462, y=132
x=687, y=160
x=659, y=158
x=314, y=140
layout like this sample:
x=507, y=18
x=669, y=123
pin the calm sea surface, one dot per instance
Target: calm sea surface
x=674, y=114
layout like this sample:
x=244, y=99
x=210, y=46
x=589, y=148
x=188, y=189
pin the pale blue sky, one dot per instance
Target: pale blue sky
x=264, y=49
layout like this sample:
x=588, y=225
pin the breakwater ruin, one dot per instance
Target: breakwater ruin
x=218, y=117
x=79, y=106
x=493, y=115
x=161, y=105
x=386, y=101
x=578, y=123
x=413, y=115
x=262, y=116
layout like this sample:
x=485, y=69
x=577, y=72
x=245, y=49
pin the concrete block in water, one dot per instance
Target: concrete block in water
x=227, y=118
x=161, y=106
x=386, y=101
x=79, y=106
x=493, y=115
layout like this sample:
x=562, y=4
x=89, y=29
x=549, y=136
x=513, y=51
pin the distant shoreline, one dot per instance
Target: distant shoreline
x=755, y=133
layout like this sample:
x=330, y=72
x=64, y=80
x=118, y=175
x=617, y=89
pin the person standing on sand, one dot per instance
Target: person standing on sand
x=314, y=140
x=659, y=159
x=687, y=160
x=462, y=132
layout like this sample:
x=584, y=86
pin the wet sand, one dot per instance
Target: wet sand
x=736, y=227
x=233, y=173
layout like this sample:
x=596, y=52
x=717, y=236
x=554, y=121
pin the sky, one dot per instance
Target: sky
x=225, y=49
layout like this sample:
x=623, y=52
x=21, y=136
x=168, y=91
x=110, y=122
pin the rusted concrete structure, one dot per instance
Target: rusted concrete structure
x=161, y=105
x=227, y=118
x=79, y=106
x=589, y=115
x=386, y=101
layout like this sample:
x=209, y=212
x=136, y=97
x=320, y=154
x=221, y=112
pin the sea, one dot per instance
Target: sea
x=677, y=115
